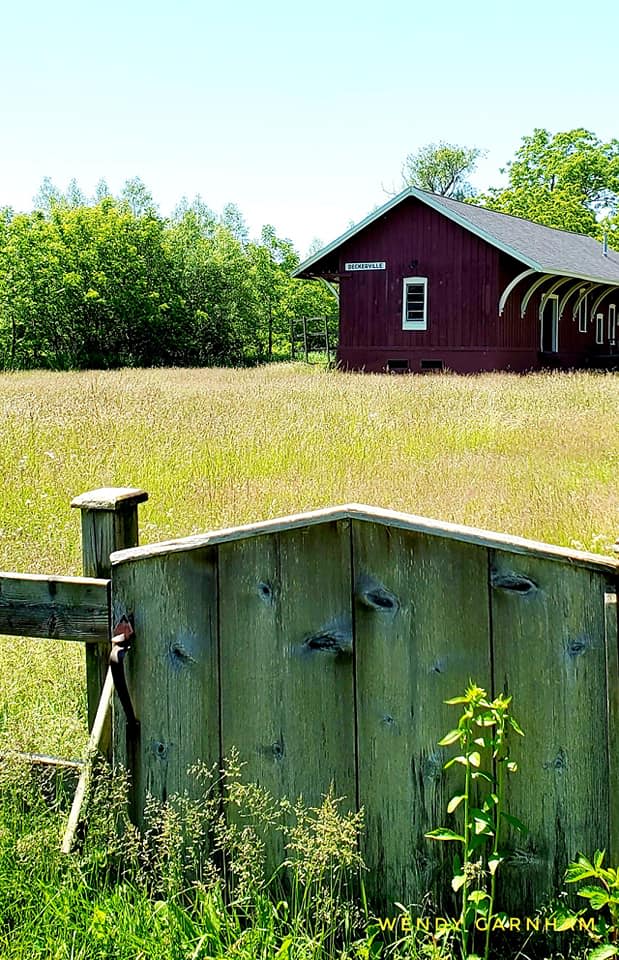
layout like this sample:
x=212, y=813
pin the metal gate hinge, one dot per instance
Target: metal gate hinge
x=121, y=644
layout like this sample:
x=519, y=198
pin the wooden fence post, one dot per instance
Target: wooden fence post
x=109, y=522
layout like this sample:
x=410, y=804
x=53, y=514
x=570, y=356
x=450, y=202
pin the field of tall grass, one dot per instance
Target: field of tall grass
x=535, y=455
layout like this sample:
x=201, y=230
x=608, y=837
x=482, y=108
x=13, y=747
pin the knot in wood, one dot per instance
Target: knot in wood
x=578, y=646
x=180, y=656
x=160, y=749
x=335, y=637
x=391, y=723
x=519, y=857
x=377, y=597
x=432, y=766
x=513, y=583
x=266, y=592
x=558, y=763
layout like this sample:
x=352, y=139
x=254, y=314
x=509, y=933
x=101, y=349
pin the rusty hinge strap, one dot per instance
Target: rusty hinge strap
x=121, y=644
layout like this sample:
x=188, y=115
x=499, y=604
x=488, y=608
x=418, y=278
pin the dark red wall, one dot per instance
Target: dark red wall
x=462, y=273
x=466, y=276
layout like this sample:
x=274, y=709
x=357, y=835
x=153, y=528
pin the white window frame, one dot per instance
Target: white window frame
x=582, y=312
x=415, y=324
x=612, y=322
x=552, y=301
x=599, y=328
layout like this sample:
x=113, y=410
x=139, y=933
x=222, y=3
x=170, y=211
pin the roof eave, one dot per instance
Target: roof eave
x=371, y=217
x=434, y=202
x=581, y=276
x=428, y=199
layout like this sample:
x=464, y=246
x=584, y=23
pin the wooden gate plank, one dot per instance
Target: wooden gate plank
x=612, y=674
x=550, y=655
x=287, y=699
x=172, y=670
x=421, y=632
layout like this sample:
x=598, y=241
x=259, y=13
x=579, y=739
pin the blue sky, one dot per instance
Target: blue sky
x=300, y=113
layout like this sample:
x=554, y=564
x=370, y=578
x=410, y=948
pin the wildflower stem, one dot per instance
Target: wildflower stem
x=466, y=845
x=500, y=785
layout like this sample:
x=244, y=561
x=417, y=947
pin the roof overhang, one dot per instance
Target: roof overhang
x=430, y=201
x=434, y=202
x=556, y=279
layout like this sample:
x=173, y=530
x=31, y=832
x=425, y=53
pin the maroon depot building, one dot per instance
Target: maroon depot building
x=426, y=282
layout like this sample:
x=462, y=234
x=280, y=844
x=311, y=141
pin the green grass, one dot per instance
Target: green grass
x=122, y=896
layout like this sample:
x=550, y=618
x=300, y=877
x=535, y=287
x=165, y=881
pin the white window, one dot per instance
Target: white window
x=582, y=313
x=415, y=303
x=612, y=322
x=599, y=328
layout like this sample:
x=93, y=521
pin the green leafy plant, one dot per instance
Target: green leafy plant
x=603, y=897
x=482, y=739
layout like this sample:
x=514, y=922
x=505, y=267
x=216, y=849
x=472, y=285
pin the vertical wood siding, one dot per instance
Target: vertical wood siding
x=462, y=273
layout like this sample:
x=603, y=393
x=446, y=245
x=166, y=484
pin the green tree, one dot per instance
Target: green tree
x=138, y=198
x=441, y=168
x=197, y=211
x=102, y=191
x=232, y=219
x=106, y=282
x=315, y=247
x=272, y=261
x=74, y=196
x=87, y=286
x=211, y=272
x=568, y=180
x=47, y=195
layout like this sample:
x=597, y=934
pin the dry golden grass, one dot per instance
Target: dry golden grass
x=536, y=456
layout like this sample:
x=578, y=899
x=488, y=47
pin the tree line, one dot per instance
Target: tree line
x=107, y=282
x=568, y=180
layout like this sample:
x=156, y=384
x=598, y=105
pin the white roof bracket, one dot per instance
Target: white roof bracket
x=536, y=283
x=566, y=296
x=601, y=297
x=332, y=289
x=548, y=293
x=510, y=286
x=583, y=295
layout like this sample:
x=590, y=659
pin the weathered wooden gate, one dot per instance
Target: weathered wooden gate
x=323, y=647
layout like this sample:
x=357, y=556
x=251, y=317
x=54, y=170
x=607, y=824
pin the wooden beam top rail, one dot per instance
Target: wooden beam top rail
x=110, y=498
x=390, y=518
x=55, y=608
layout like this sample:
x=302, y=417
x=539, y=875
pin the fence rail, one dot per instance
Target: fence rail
x=58, y=608
x=77, y=608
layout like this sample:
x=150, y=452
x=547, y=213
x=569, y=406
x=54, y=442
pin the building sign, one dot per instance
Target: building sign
x=366, y=265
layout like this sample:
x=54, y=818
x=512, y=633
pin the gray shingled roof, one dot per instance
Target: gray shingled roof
x=542, y=248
